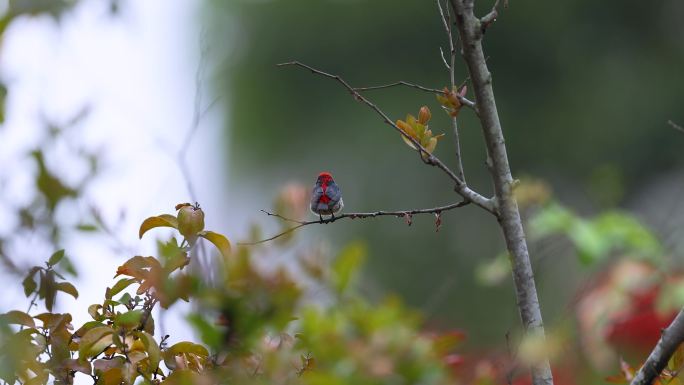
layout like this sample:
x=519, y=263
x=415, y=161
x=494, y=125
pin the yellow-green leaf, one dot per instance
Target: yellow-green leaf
x=129, y=319
x=188, y=348
x=56, y=257
x=94, y=341
x=153, y=351
x=221, y=242
x=118, y=287
x=67, y=288
x=164, y=220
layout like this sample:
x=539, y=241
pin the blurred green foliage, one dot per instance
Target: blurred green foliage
x=258, y=327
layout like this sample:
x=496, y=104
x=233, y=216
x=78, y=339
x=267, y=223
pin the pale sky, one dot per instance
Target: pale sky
x=136, y=71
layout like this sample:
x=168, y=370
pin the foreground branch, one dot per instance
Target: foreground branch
x=461, y=188
x=406, y=214
x=471, y=30
x=670, y=339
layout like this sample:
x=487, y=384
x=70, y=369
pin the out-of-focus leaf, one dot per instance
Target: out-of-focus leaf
x=94, y=312
x=208, y=332
x=129, y=320
x=153, y=351
x=591, y=244
x=495, y=271
x=94, y=341
x=184, y=377
x=677, y=360
x=56, y=257
x=49, y=185
x=347, y=265
x=164, y=220
x=186, y=347
x=82, y=366
x=18, y=318
x=48, y=288
x=67, y=288
x=220, y=241
x=29, y=282
x=551, y=220
x=118, y=287
x=447, y=342
x=113, y=376
x=86, y=227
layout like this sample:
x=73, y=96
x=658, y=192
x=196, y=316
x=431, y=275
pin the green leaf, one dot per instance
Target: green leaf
x=48, y=289
x=17, y=317
x=221, y=242
x=164, y=220
x=153, y=351
x=130, y=319
x=86, y=227
x=591, y=244
x=118, y=287
x=209, y=333
x=67, y=288
x=29, y=283
x=56, y=257
x=347, y=265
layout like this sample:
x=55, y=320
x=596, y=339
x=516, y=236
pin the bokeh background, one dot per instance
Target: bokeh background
x=584, y=90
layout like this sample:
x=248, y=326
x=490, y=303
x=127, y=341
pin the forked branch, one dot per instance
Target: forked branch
x=461, y=188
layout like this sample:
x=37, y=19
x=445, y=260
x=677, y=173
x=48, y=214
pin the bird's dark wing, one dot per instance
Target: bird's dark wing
x=334, y=193
x=316, y=195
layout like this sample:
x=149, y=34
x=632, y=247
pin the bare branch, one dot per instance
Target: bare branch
x=670, y=339
x=428, y=158
x=465, y=101
x=197, y=114
x=675, y=126
x=400, y=83
x=447, y=23
x=470, y=30
x=399, y=214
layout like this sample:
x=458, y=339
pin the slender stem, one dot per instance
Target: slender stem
x=407, y=214
x=471, y=31
x=447, y=22
x=670, y=339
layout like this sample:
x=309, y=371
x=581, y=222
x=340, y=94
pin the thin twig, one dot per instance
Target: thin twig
x=465, y=101
x=197, y=114
x=400, y=83
x=147, y=312
x=427, y=157
x=398, y=214
x=675, y=126
x=447, y=22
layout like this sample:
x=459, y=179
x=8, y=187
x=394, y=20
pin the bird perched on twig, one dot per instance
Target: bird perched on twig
x=326, y=197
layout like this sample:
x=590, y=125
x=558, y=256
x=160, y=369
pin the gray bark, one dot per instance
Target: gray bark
x=670, y=339
x=471, y=31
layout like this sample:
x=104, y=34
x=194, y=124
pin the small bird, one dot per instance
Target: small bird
x=326, y=197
